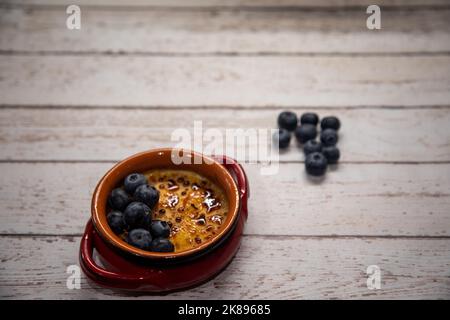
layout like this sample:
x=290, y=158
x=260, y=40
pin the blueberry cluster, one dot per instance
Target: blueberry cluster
x=318, y=154
x=131, y=214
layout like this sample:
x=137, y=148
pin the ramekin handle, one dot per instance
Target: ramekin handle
x=97, y=273
x=241, y=180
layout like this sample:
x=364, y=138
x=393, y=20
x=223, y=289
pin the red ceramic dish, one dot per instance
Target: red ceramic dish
x=120, y=271
x=162, y=158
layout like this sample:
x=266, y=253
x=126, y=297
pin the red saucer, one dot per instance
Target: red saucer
x=125, y=273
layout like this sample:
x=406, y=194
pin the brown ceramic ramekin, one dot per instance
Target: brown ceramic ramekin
x=162, y=158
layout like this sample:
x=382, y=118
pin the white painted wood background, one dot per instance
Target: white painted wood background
x=72, y=103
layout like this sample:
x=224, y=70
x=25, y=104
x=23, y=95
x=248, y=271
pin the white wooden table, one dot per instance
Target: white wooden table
x=75, y=102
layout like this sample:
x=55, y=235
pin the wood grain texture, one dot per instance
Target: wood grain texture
x=224, y=81
x=357, y=200
x=237, y=3
x=367, y=135
x=224, y=32
x=265, y=268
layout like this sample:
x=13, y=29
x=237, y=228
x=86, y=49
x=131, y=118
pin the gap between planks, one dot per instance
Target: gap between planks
x=6, y=106
x=233, y=8
x=112, y=161
x=168, y=54
x=268, y=236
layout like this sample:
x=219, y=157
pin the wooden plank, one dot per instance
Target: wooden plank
x=265, y=268
x=367, y=135
x=380, y=200
x=224, y=81
x=212, y=32
x=236, y=3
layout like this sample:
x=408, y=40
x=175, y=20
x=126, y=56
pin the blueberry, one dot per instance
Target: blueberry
x=312, y=146
x=132, y=181
x=287, y=120
x=146, y=222
x=147, y=194
x=330, y=123
x=162, y=245
x=118, y=199
x=305, y=132
x=160, y=229
x=316, y=164
x=116, y=221
x=309, y=117
x=329, y=137
x=282, y=137
x=140, y=238
x=135, y=214
x=332, y=154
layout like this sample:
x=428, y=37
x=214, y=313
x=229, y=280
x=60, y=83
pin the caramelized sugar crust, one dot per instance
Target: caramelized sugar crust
x=194, y=206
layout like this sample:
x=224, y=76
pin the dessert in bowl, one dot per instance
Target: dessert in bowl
x=178, y=209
